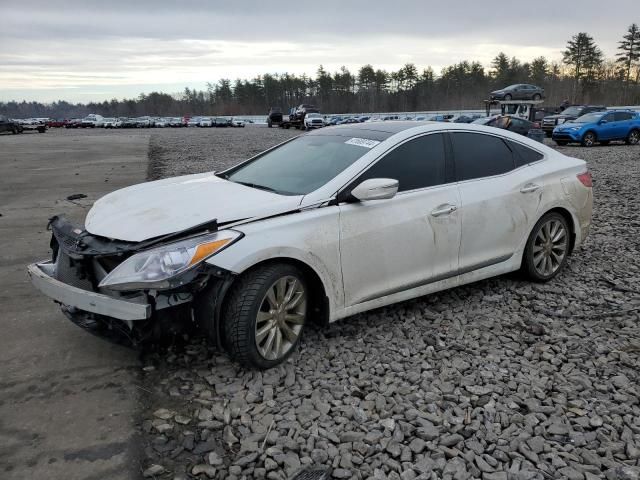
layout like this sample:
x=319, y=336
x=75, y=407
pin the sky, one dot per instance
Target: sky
x=89, y=50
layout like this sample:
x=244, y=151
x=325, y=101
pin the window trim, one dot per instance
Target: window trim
x=344, y=192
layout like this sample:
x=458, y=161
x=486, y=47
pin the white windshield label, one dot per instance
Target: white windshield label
x=362, y=142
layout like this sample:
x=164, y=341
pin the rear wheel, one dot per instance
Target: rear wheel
x=264, y=315
x=589, y=139
x=537, y=96
x=633, y=138
x=547, y=248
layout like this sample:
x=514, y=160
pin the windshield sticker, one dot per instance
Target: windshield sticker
x=362, y=142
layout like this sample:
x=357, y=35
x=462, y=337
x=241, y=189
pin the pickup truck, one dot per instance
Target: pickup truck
x=7, y=125
x=34, y=124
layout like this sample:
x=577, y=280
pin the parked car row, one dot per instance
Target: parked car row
x=98, y=121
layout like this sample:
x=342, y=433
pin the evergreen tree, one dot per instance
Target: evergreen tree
x=629, y=48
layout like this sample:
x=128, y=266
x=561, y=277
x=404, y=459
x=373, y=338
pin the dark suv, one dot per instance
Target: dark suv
x=7, y=125
x=570, y=113
x=275, y=116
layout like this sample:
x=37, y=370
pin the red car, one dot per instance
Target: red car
x=57, y=123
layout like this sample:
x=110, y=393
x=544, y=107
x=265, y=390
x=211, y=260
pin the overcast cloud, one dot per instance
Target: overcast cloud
x=95, y=50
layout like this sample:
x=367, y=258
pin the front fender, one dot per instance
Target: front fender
x=311, y=237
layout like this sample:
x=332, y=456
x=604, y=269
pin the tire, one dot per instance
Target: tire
x=633, y=138
x=508, y=97
x=269, y=124
x=561, y=143
x=537, y=96
x=543, y=259
x=254, y=307
x=589, y=139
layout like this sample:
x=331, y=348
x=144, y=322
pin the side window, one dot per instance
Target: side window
x=622, y=116
x=418, y=163
x=609, y=117
x=478, y=155
x=523, y=155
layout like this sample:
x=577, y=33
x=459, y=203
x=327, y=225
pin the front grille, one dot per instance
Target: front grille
x=73, y=272
x=549, y=122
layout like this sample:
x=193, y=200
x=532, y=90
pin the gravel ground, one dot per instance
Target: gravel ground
x=502, y=379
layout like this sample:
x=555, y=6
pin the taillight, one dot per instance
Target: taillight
x=585, y=179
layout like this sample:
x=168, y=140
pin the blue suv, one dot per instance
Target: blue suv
x=600, y=127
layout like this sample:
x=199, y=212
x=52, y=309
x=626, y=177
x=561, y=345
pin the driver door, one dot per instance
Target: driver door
x=388, y=246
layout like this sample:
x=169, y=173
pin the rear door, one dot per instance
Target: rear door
x=388, y=246
x=499, y=197
x=622, y=124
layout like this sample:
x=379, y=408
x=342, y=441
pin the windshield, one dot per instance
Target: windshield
x=572, y=111
x=301, y=165
x=589, y=117
x=314, y=115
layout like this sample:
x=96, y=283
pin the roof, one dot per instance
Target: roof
x=372, y=130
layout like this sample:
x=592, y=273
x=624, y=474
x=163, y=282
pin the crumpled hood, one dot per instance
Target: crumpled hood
x=152, y=209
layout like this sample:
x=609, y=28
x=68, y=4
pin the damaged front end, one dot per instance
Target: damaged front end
x=131, y=292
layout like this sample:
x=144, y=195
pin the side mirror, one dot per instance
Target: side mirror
x=376, y=189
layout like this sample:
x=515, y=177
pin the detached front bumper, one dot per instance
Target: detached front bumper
x=135, y=308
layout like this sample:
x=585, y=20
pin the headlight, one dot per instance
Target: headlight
x=155, y=268
x=559, y=121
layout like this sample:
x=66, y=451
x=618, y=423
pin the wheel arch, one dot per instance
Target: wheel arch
x=571, y=221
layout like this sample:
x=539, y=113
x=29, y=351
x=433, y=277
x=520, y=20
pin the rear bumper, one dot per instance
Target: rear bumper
x=131, y=309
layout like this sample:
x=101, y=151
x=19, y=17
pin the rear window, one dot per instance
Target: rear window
x=523, y=155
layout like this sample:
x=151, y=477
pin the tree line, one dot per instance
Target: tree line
x=583, y=75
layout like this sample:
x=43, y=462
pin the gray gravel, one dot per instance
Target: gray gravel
x=502, y=379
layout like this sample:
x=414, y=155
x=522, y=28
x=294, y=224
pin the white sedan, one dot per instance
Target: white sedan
x=326, y=225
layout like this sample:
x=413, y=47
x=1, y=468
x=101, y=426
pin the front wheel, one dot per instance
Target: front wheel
x=508, y=97
x=633, y=138
x=264, y=315
x=547, y=248
x=537, y=96
x=589, y=139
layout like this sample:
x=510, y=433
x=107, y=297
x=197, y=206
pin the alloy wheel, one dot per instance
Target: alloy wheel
x=634, y=137
x=589, y=139
x=281, y=316
x=550, y=247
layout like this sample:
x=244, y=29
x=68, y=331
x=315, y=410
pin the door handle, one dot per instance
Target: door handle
x=530, y=187
x=445, y=209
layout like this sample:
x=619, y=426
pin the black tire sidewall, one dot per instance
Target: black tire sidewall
x=527, y=261
x=263, y=278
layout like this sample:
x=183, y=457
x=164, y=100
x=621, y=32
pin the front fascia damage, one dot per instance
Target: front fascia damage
x=82, y=260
